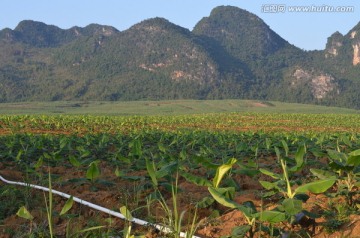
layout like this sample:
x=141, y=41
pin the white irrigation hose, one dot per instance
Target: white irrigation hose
x=97, y=207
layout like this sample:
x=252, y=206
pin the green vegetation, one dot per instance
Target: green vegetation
x=173, y=107
x=231, y=54
x=153, y=167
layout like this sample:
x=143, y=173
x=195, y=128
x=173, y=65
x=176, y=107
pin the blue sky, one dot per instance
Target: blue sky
x=307, y=30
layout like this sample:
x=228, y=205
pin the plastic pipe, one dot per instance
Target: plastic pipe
x=96, y=207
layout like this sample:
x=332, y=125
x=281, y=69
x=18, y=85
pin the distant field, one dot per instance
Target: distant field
x=177, y=107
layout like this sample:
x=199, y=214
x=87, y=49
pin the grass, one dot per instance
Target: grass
x=175, y=107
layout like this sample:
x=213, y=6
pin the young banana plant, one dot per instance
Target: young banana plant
x=293, y=198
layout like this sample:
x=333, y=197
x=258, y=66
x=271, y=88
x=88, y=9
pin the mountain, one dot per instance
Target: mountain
x=38, y=34
x=242, y=34
x=252, y=47
x=231, y=53
x=153, y=59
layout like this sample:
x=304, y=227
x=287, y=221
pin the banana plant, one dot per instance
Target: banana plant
x=225, y=197
x=345, y=169
x=93, y=172
x=293, y=198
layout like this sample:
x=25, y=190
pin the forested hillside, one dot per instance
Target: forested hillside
x=231, y=53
